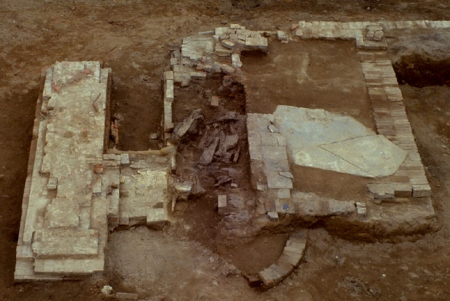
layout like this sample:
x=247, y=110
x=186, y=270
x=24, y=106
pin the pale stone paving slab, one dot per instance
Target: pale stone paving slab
x=144, y=191
x=321, y=139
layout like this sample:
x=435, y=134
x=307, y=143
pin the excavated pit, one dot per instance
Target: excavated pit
x=421, y=70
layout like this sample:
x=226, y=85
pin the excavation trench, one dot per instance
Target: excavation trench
x=420, y=70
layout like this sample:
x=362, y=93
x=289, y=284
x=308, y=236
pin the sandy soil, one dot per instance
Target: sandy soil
x=134, y=39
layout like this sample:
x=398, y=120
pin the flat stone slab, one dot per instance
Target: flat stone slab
x=310, y=204
x=50, y=243
x=365, y=153
x=144, y=190
x=320, y=139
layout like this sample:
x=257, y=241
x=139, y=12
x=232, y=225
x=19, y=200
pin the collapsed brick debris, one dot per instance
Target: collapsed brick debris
x=197, y=57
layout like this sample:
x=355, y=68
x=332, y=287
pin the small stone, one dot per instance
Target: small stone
x=381, y=190
x=261, y=187
x=282, y=36
x=125, y=159
x=221, y=203
x=208, y=68
x=189, y=124
x=107, y=290
x=226, y=69
x=183, y=190
x=227, y=44
x=253, y=280
x=154, y=136
x=229, y=269
x=214, y=101
x=361, y=208
x=236, y=61
x=273, y=216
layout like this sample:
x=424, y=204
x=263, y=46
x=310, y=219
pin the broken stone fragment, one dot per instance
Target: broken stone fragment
x=215, y=101
x=227, y=69
x=227, y=117
x=216, y=67
x=107, y=290
x=286, y=174
x=188, y=125
x=208, y=68
x=282, y=36
x=381, y=190
x=273, y=216
x=361, y=208
x=236, y=61
x=183, y=189
x=221, y=180
x=227, y=44
x=230, y=142
x=236, y=155
x=221, y=204
x=197, y=188
x=208, y=153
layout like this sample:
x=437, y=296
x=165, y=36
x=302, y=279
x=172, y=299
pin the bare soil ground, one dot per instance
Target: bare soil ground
x=134, y=39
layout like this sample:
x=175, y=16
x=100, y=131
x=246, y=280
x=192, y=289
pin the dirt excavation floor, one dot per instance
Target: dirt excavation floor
x=184, y=261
